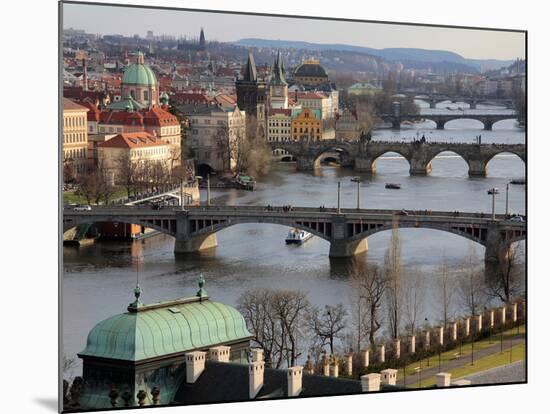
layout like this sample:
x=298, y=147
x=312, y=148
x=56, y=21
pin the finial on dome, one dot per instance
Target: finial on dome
x=140, y=60
x=201, y=293
x=137, y=303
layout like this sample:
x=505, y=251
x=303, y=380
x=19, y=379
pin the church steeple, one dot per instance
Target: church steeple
x=202, y=40
x=278, y=72
x=250, y=74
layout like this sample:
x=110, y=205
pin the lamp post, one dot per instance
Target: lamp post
x=507, y=188
x=182, y=196
x=472, y=353
x=338, y=197
x=358, y=181
x=428, y=336
x=208, y=189
x=493, y=191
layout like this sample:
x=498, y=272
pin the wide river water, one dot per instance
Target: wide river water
x=98, y=279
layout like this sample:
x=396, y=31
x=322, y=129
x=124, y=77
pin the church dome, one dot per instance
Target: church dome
x=166, y=328
x=310, y=68
x=139, y=74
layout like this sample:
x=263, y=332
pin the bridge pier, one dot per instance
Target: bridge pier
x=195, y=244
x=473, y=105
x=433, y=104
x=440, y=124
x=477, y=168
x=305, y=164
x=364, y=165
x=342, y=248
x=419, y=167
x=487, y=125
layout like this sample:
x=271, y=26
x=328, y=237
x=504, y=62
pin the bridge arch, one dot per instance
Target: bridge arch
x=451, y=153
x=378, y=155
x=473, y=123
x=506, y=124
x=344, y=150
x=165, y=226
x=494, y=160
x=322, y=230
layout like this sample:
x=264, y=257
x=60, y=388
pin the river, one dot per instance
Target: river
x=98, y=279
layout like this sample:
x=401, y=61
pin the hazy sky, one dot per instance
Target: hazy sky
x=477, y=44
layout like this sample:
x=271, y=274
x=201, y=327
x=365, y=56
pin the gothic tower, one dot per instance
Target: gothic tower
x=251, y=93
x=278, y=87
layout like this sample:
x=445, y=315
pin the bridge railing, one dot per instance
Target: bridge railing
x=287, y=209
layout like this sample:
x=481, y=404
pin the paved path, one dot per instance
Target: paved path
x=465, y=359
x=514, y=372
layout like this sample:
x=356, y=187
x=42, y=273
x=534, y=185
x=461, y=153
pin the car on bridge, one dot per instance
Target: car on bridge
x=83, y=207
x=518, y=219
x=402, y=213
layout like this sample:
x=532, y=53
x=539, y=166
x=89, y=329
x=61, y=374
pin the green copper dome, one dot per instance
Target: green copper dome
x=165, y=328
x=139, y=74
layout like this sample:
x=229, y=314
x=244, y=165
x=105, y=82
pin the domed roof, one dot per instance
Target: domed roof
x=311, y=68
x=165, y=328
x=139, y=74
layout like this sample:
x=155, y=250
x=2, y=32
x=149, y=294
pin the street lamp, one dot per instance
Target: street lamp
x=493, y=192
x=428, y=349
x=338, y=197
x=208, y=189
x=182, y=196
x=358, y=181
x=507, y=188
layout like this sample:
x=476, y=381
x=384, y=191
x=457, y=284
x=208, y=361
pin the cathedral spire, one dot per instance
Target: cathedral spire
x=278, y=73
x=250, y=74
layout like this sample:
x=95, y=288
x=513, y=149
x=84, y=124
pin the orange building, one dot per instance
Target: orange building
x=307, y=125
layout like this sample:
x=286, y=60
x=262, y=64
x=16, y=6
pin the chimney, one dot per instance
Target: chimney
x=443, y=379
x=370, y=382
x=257, y=354
x=194, y=365
x=294, y=381
x=256, y=378
x=220, y=353
x=389, y=376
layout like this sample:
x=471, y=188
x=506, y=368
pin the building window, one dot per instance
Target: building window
x=145, y=95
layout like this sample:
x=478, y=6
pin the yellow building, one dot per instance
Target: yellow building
x=307, y=125
x=75, y=138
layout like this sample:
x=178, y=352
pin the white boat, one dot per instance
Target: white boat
x=297, y=236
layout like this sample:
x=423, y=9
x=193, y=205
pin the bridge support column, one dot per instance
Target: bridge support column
x=473, y=105
x=185, y=243
x=433, y=104
x=365, y=165
x=305, y=164
x=488, y=126
x=343, y=248
x=477, y=168
x=419, y=167
x=195, y=244
x=396, y=123
x=440, y=124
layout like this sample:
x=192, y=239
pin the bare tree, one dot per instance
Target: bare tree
x=371, y=285
x=413, y=299
x=505, y=284
x=291, y=308
x=128, y=171
x=277, y=320
x=445, y=288
x=471, y=285
x=328, y=324
x=392, y=269
x=256, y=307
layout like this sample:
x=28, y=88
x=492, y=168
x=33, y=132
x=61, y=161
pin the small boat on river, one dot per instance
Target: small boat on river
x=393, y=186
x=297, y=236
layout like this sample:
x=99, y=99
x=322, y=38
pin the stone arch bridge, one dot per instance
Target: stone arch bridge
x=362, y=155
x=488, y=120
x=347, y=231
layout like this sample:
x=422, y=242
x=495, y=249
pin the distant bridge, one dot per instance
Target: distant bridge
x=488, y=119
x=434, y=99
x=347, y=231
x=362, y=155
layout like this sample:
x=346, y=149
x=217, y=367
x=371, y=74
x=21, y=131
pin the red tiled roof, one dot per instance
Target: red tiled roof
x=310, y=95
x=159, y=117
x=190, y=97
x=119, y=117
x=286, y=112
x=80, y=94
x=93, y=112
x=132, y=140
x=69, y=105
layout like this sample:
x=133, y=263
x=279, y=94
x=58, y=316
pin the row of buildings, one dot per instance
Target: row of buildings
x=136, y=115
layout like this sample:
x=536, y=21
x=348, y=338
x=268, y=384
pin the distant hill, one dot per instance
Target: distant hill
x=396, y=54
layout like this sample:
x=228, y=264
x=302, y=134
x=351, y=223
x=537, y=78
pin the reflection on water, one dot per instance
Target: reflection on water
x=98, y=279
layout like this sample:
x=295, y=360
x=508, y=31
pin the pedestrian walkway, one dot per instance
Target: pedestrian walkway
x=464, y=360
x=514, y=372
